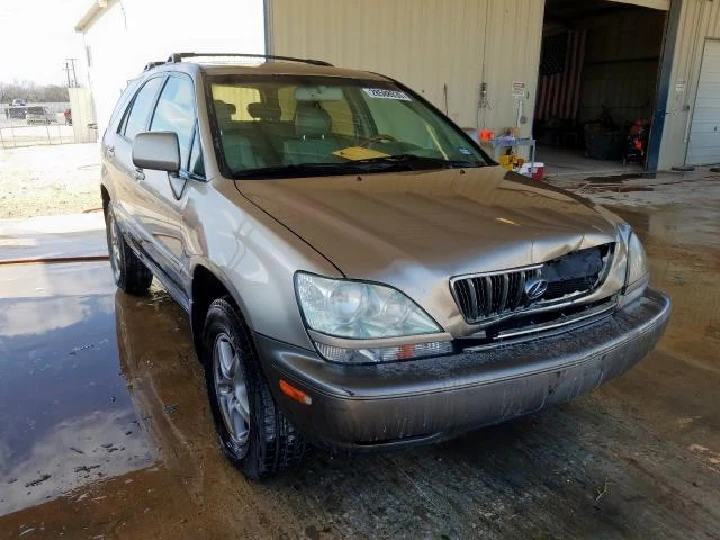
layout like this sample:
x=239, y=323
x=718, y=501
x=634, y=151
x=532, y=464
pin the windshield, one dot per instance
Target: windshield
x=324, y=125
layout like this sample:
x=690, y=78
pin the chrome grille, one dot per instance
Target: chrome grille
x=489, y=296
x=496, y=295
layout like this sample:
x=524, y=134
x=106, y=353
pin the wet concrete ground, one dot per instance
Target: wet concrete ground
x=105, y=430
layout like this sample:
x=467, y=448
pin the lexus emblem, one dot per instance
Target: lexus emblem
x=535, y=288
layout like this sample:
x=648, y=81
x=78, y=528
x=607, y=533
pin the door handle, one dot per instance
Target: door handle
x=138, y=175
x=111, y=150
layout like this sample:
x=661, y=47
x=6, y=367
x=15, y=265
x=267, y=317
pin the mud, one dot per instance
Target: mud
x=696, y=188
x=83, y=367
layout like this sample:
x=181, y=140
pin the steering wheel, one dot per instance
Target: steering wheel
x=380, y=137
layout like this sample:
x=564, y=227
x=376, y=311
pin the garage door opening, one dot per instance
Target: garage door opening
x=597, y=86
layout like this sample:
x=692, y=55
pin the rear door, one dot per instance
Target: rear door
x=163, y=196
x=118, y=159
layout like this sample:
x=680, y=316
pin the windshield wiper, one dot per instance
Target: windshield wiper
x=410, y=160
x=294, y=170
x=392, y=162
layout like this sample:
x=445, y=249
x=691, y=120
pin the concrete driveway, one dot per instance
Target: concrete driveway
x=105, y=430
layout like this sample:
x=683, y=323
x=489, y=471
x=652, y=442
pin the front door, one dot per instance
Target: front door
x=163, y=196
x=118, y=159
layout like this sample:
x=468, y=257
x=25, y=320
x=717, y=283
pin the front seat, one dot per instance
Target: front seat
x=314, y=142
x=238, y=151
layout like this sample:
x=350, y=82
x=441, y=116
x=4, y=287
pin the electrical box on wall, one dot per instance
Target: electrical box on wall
x=483, y=100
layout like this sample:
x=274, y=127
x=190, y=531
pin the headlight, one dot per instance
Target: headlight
x=637, y=270
x=357, y=310
x=363, y=312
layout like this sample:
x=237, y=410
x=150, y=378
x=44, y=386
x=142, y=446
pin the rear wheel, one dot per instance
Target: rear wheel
x=255, y=436
x=130, y=273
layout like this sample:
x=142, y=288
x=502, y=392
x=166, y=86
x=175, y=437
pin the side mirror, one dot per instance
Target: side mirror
x=157, y=150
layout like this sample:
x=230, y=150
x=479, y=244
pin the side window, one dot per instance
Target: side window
x=124, y=119
x=175, y=112
x=197, y=163
x=121, y=106
x=136, y=121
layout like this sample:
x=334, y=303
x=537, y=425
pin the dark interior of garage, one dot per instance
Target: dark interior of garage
x=597, y=83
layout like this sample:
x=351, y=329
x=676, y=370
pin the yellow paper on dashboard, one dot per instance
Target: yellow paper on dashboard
x=356, y=153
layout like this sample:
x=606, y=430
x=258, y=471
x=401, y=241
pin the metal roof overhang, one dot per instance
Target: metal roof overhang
x=662, y=5
x=94, y=12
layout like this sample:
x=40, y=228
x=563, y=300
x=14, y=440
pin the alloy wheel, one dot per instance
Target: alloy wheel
x=231, y=392
x=114, y=247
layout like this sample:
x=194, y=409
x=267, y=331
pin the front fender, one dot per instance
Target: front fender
x=253, y=256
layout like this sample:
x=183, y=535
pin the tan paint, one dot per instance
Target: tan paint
x=416, y=230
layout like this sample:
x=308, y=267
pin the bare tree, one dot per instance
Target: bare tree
x=30, y=92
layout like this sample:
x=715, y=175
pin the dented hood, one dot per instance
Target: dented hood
x=406, y=227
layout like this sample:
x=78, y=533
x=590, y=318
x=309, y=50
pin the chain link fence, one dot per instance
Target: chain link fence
x=36, y=123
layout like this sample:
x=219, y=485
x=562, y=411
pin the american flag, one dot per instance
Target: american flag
x=561, y=66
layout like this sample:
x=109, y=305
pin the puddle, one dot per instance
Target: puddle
x=592, y=189
x=80, y=235
x=66, y=417
x=697, y=225
x=629, y=189
x=614, y=179
x=682, y=246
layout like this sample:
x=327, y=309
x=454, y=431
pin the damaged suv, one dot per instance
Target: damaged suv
x=358, y=273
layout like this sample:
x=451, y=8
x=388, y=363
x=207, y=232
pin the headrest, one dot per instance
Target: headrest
x=263, y=111
x=224, y=111
x=311, y=120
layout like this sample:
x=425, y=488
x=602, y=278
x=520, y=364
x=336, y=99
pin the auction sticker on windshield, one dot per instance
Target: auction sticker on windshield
x=381, y=93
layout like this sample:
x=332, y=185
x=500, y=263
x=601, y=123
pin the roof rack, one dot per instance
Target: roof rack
x=151, y=65
x=178, y=57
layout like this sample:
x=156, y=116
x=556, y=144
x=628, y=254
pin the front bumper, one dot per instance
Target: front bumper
x=366, y=407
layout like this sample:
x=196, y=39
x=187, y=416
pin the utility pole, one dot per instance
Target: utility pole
x=72, y=63
x=67, y=71
x=70, y=66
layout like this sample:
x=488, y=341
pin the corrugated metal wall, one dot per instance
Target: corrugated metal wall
x=699, y=20
x=425, y=44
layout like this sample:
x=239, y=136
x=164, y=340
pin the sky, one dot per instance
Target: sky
x=36, y=38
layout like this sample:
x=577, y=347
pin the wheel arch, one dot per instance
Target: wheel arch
x=208, y=284
x=105, y=196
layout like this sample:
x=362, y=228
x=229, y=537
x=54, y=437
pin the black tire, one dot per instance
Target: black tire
x=273, y=445
x=131, y=274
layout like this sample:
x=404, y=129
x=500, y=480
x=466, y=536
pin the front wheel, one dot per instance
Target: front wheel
x=130, y=273
x=254, y=434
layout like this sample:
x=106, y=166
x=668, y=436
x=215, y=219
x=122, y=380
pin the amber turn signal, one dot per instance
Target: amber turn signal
x=294, y=393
